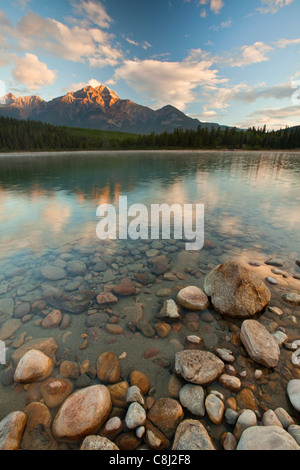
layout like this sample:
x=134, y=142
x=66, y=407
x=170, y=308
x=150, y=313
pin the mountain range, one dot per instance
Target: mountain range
x=99, y=108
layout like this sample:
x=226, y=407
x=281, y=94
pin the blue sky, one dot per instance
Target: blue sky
x=235, y=62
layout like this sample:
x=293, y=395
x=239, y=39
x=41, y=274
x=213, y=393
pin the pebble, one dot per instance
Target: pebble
x=54, y=391
x=271, y=280
x=292, y=298
x=276, y=310
x=92, y=443
x=166, y=414
x=192, y=298
x=192, y=398
x=215, y=408
x=259, y=343
x=271, y=419
x=52, y=320
x=293, y=391
x=230, y=382
x=245, y=420
x=135, y=416
x=53, y=273
x=108, y=368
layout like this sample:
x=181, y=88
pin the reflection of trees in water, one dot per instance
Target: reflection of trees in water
x=87, y=175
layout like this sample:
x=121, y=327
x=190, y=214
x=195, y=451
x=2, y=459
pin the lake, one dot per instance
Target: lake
x=48, y=206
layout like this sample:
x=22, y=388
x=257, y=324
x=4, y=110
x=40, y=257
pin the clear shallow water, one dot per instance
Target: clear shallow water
x=48, y=210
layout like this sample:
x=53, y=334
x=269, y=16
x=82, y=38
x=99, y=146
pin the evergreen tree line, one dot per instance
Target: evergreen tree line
x=21, y=135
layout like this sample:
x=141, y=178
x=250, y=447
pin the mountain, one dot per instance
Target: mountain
x=99, y=108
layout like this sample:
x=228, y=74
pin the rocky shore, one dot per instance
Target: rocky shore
x=210, y=402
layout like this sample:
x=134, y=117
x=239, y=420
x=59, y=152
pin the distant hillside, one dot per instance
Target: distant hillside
x=99, y=108
x=21, y=135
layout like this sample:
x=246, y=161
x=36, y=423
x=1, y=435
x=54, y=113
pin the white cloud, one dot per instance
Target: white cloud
x=215, y=6
x=272, y=6
x=166, y=82
x=246, y=55
x=94, y=12
x=274, y=118
x=283, y=43
x=78, y=86
x=76, y=43
x=31, y=72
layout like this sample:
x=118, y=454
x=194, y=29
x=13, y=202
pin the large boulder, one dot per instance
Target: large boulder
x=236, y=291
x=261, y=346
x=198, y=367
x=266, y=438
x=82, y=413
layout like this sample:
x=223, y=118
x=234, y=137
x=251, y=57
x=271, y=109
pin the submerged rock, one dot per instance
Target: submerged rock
x=198, y=367
x=261, y=346
x=192, y=298
x=33, y=366
x=9, y=328
x=72, y=303
x=236, y=291
x=292, y=298
x=11, y=430
x=53, y=273
x=82, y=413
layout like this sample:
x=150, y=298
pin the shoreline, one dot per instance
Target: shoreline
x=90, y=152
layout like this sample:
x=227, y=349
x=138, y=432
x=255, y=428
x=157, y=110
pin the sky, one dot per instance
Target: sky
x=232, y=62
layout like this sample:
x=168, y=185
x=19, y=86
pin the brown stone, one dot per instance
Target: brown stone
x=37, y=434
x=55, y=391
x=108, y=368
x=141, y=380
x=106, y=298
x=127, y=441
x=11, y=430
x=52, y=320
x=46, y=345
x=246, y=400
x=82, y=413
x=69, y=370
x=154, y=438
x=162, y=329
x=166, y=414
x=118, y=393
x=33, y=366
x=236, y=291
x=126, y=287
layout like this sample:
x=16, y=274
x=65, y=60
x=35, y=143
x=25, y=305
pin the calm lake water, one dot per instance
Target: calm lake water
x=48, y=208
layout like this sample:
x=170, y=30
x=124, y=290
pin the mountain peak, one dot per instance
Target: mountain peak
x=100, y=94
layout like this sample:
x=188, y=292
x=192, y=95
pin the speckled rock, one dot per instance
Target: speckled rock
x=259, y=343
x=97, y=443
x=192, y=398
x=236, y=291
x=82, y=413
x=198, y=367
x=192, y=435
x=9, y=328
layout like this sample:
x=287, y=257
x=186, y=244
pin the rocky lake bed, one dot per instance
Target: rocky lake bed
x=143, y=345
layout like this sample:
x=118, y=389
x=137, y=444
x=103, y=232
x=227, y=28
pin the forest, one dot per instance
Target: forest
x=20, y=135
